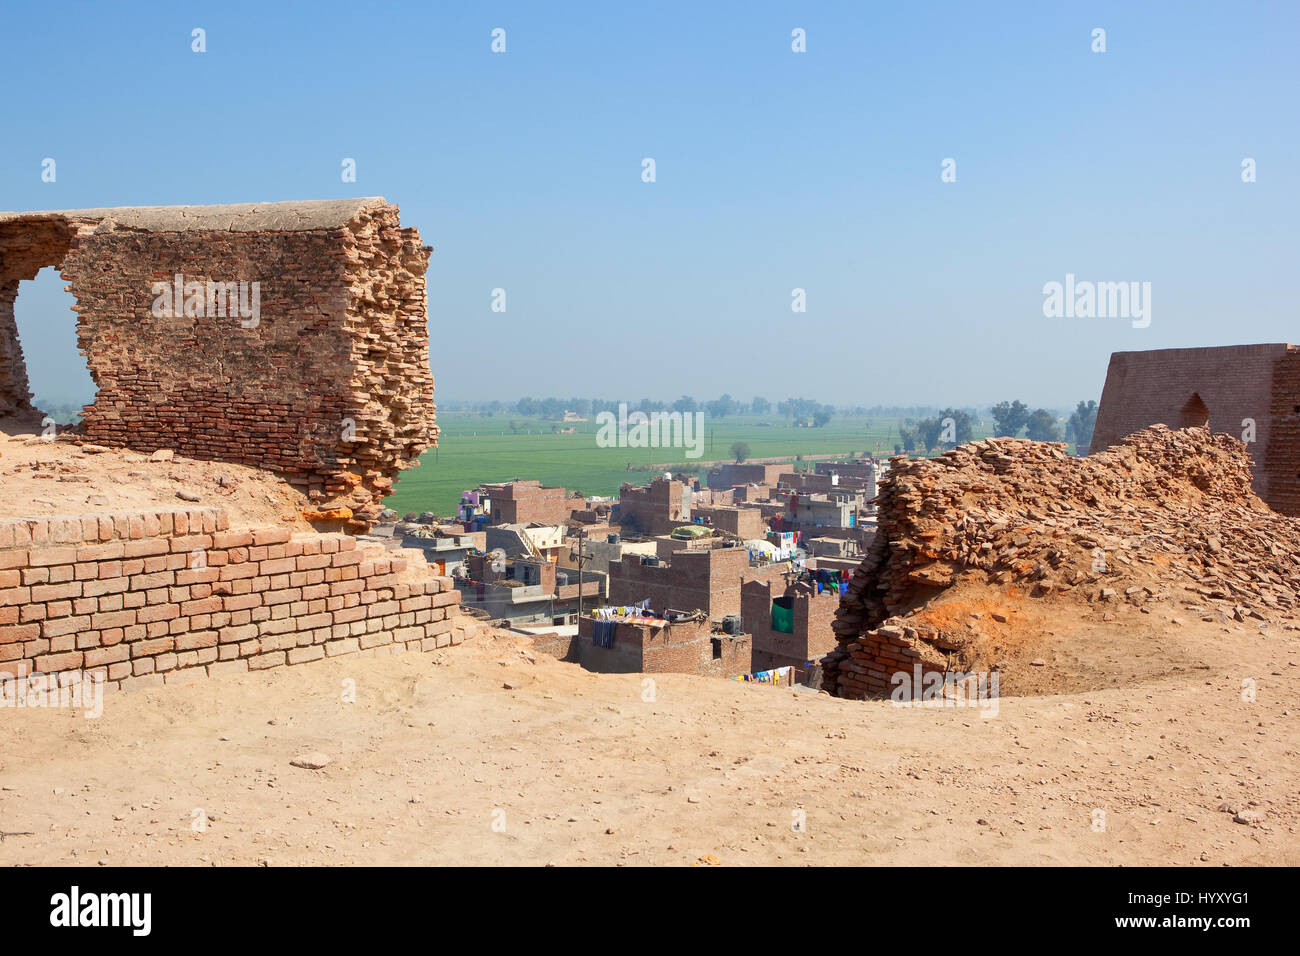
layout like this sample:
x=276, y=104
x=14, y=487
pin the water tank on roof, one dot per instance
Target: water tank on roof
x=732, y=624
x=613, y=537
x=561, y=578
x=650, y=559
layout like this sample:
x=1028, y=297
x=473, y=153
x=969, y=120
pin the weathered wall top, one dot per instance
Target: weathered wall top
x=287, y=336
x=233, y=217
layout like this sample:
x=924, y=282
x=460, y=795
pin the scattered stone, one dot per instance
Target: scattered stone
x=311, y=761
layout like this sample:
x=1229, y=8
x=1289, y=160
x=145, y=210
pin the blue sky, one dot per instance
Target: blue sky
x=775, y=170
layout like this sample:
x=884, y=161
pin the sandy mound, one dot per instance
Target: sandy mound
x=64, y=475
x=1062, y=573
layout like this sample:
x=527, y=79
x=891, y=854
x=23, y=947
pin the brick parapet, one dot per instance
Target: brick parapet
x=126, y=595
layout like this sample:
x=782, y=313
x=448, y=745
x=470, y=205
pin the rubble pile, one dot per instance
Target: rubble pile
x=1165, y=516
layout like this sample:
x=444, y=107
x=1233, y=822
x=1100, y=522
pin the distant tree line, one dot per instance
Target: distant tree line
x=922, y=428
x=799, y=409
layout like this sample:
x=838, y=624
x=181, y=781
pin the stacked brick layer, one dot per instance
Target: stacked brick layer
x=1164, y=513
x=125, y=595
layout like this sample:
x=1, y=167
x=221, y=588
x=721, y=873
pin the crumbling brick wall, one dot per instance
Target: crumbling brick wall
x=129, y=594
x=329, y=385
x=1233, y=385
x=23, y=253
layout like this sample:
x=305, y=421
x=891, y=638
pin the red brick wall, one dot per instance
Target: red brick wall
x=695, y=580
x=727, y=476
x=1235, y=383
x=813, y=637
x=744, y=523
x=656, y=508
x=686, y=648
x=130, y=594
x=332, y=387
x=524, y=502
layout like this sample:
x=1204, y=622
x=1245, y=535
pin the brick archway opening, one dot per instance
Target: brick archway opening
x=26, y=247
x=58, y=376
x=1194, y=414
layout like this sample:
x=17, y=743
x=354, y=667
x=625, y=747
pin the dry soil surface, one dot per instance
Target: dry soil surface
x=488, y=754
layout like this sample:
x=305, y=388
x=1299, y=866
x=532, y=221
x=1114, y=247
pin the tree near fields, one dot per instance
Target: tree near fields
x=927, y=432
x=822, y=416
x=1081, y=423
x=1041, y=426
x=907, y=434
x=721, y=407
x=760, y=406
x=740, y=451
x=961, y=432
x=1009, y=418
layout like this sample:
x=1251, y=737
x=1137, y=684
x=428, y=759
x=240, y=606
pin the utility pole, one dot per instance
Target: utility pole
x=582, y=536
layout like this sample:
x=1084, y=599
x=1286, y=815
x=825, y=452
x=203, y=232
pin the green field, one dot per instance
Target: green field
x=475, y=448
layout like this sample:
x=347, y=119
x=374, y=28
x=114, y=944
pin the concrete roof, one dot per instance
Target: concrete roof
x=234, y=217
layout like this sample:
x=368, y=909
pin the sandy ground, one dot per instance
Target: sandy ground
x=60, y=475
x=439, y=761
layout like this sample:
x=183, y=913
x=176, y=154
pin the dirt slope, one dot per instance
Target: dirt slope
x=587, y=771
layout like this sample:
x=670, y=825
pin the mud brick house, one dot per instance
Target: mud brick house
x=730, y=475
x=1228, y=389
x=707, y=581
x=809, y=616
x=742, y=522
x=656, y=508
x=528, y=591
x=526, y=502
x=288, y=336
x=688, y=647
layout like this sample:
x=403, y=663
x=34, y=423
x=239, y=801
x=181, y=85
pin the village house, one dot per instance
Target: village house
x=656, y=508
x=790, y=624
x=651, y=645
x=527, y=591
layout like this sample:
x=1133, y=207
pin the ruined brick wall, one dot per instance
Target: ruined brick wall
x=126, y=595
x=1281, y=444
x=23, y=253
x=1166, y=515
x=329, y=385
x=1233, y=383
